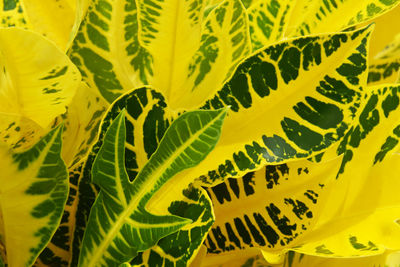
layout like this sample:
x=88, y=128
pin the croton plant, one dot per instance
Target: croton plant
x=199, y=133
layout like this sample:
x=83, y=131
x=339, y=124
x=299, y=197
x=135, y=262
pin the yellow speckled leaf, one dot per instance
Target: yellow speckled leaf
x=333, y=15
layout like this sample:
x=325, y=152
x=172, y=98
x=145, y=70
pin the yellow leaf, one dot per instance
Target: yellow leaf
x=37, y=80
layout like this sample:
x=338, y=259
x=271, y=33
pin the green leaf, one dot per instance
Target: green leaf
x=121, y=206
x=32, y=198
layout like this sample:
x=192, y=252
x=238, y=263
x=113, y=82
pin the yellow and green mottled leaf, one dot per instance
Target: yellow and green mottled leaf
x=146, y=121
x=383, y=71
x=121, y=223
x=150, y=121
x=224, y=42
x=268, y=21
x=330, y=71
x=32, y=198
x=368, y=172
x=180, y=248
x=58, y=250
x=81, y=123
x=38, y=81
x=170, y=31
x=271, y=208
x=43, y=17
x=19, y=132
x=334, y=15
x=106, y=49
x=314, y=207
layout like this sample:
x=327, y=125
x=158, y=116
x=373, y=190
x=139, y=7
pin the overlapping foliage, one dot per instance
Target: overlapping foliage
x=199, y=132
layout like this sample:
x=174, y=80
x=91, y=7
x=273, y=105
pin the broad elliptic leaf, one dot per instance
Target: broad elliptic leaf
x=310, y=17
x=121, y=223
x=32, y=198
x=272, y=120
x=43, y=17
x=268, y=21
x=38, y=81
x=271, y=208
x=369, y=171
x=314, y=207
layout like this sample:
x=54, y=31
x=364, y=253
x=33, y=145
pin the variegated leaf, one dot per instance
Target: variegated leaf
x=321, y=214
x=38, y=95
x=58, y=250
x=19, y=132
x=385, y=67
x=106, y=49
x=81, y=121
x=147, y=119
x=121, y=223
x=170, y=31
x=268, y=21
x=33, y=194
x=383, y=71
x=271, y=208
x=369, y=171
x=333, y=15
x=224, y=42
x=43, y=17
x=180, y=248
x=150, y=121
x=330, y=70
